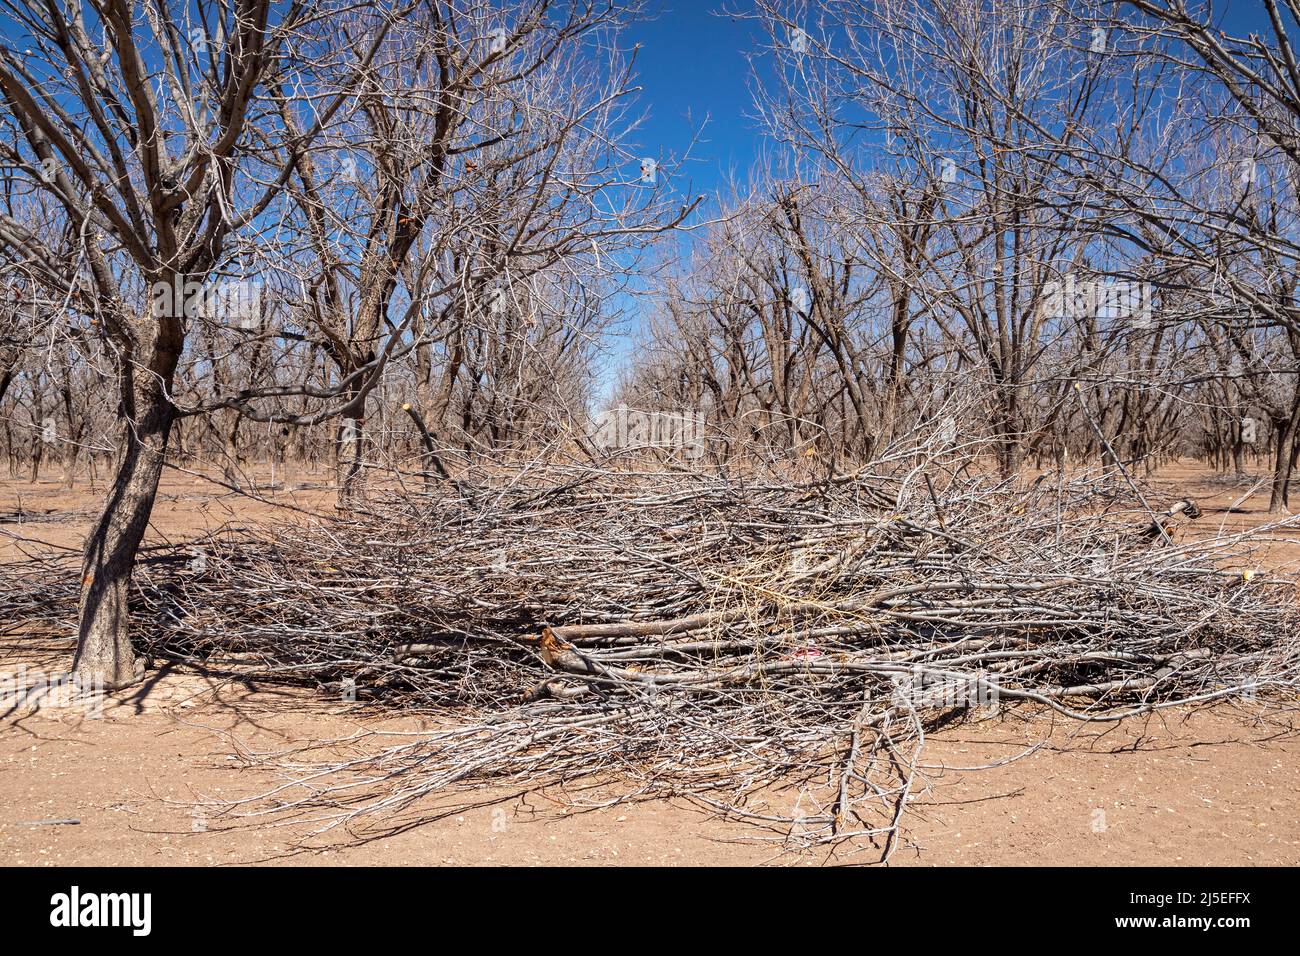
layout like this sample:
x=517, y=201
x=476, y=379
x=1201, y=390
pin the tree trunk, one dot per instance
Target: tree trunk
x=1285, y=430
x=233, y=466
x=70, y=465
x=104, y=653
x=350, y=464
x=1007, y=430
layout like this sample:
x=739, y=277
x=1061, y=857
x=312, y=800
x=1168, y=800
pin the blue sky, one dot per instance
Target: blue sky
x=694, y=76
x=693, y=71
x=692, y=68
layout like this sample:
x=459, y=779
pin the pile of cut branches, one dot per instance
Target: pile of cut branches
x=776, y=650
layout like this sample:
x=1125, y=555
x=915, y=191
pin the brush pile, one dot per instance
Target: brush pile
x=775, y=650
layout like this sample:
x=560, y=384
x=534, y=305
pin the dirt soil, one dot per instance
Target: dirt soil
x=1214, y=786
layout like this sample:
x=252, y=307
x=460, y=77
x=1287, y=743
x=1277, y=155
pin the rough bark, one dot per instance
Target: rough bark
x=1285, y=428
x=104, y=653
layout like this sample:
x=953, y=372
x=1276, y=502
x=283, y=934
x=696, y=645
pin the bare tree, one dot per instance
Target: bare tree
x=136, y=127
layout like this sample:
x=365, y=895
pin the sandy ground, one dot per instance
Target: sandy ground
x=1217, y=786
